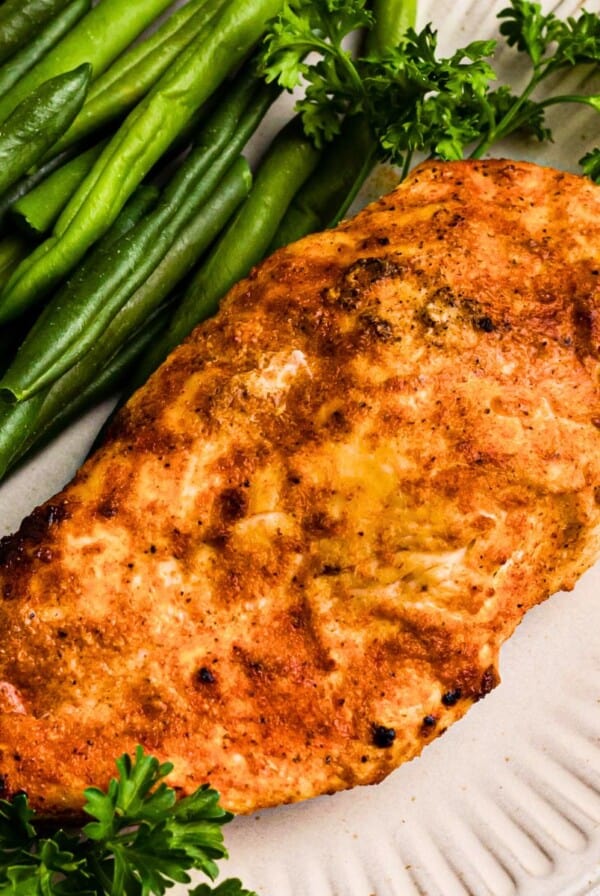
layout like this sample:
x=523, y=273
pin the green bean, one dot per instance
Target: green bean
x=289, y=161
x=326, y=196
x=133, y=74
x=13, y=248
x=16, y=423
x=392, y=20
x=38, y=209
x=142, y=139
x=21, y=20
x=33, y=177
x=38, y=120
x=13, y=70
x=97, y=39
x=53, y=413
x=84, y=307
x=143, y=201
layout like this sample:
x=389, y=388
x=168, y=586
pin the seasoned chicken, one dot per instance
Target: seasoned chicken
x=296, y=556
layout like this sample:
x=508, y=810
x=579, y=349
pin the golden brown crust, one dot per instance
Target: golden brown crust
x=294, y=560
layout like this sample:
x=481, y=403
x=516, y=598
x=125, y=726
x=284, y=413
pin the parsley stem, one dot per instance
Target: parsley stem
x=355, y=78
x=593, y=100
x=336, y=52
x=406, y=164
x=506, y=124
x=101, y=876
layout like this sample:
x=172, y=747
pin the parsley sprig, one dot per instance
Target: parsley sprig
x=141, y=841
x=552, y=45
x=415, y=100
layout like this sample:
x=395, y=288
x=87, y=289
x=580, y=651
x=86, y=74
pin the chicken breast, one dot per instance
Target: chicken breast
x=296, y=556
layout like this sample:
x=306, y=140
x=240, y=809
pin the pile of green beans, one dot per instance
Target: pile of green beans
x=141, y=140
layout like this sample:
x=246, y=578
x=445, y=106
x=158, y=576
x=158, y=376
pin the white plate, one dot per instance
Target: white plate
x=508, y=801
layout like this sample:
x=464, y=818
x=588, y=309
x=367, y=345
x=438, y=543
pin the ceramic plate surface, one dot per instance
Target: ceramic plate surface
x=507, y=803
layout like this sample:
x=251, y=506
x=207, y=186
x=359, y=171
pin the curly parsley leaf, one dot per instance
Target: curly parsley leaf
x=135, y=794
x=440, y=105
x=231, y=887
x=413, y=100
x=526, y=27
x=304, y=26
x=551, y=43
x=578, y=41
x=16, y=828
x=333, y=84
x=49, y=866
x=590, y=164
x=141, y=841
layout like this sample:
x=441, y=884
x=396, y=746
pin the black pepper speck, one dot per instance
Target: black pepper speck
x=383, y=737
x=205, y=676
x=451, y=698
x=485, y=324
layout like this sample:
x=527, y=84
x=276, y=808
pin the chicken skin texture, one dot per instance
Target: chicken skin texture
x=295, y=558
